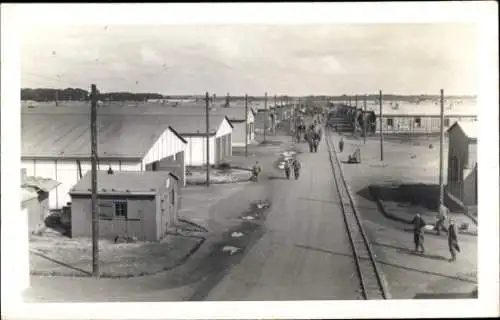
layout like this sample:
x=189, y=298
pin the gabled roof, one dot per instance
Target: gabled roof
x=124, y=182
x=469, y=128
x=68, y=135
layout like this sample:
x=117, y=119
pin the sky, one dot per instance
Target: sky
x=330, y=59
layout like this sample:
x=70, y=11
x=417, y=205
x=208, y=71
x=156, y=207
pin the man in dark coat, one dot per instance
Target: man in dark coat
x=341, y=145
x=287, y=169
x=418, y=233
x=453, y=240
x=296, y=168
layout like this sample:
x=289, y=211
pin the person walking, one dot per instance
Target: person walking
x=441, y=218
x=453, y=240
x=296, y=168
x=418, y=233
x=256, y=170
x=341, y=145
x=287, y=169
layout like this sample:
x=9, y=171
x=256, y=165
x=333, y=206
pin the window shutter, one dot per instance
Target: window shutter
x=106, y=209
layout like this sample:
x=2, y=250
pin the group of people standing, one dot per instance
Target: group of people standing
x=452, y=231
x=292, y=164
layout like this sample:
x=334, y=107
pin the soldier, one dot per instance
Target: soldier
x=296, y=168
x=442, y=213
x=418, y=234
x=453, y=240
x=256, y=170
x=341, y=145
x=287, y=169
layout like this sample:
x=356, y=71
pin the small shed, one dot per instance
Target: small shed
x=35, y=198
x=462, y=163
x=140, y=204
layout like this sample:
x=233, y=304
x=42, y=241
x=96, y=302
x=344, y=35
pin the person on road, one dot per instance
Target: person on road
x=418, y=233
x=441, y=218
x=287, y=169
x=453, y=240
x=316, y=143
x=296, y=168
x=256, y=170
x=341, y=145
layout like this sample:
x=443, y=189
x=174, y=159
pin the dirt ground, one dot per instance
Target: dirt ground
x=52, y=254
x=409, y=275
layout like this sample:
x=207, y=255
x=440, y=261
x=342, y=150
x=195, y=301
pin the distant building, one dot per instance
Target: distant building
x=422, y=118
x=462, y=163
x=240, y=123
x=144, y=205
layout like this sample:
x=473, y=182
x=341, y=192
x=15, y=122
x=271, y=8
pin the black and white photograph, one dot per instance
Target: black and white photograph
x=230, y=160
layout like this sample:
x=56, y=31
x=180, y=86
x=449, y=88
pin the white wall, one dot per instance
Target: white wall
x=196, y=151
x=66, y=172
x=224, y=128
x=168, y=144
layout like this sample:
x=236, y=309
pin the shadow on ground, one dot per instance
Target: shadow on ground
x=417, y=194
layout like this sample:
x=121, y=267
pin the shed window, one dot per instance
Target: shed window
x=418, y=122
x=172, y=196
x=121, y=209
x=446, y=122
x=113, y=209
x=390, y=122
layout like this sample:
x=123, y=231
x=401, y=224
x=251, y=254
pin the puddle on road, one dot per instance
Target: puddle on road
x=237, y=234
x=230, y=249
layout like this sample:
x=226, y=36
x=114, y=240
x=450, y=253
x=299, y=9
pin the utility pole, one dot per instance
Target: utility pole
x=95, y=204
x=246, y=125
x=381, y=130
x=365, y=116
x=355, y=112
x=266, y=117
x=274, y=113
x=441, y=150
x=207, y=122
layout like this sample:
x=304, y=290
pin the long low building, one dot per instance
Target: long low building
x=57, y=146
x=412, y=118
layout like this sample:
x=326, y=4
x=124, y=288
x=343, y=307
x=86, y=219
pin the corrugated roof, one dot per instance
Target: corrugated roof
x=44, y=184
x=123, y=182
x=68, y=135
x=469, y=128
x=120, y=134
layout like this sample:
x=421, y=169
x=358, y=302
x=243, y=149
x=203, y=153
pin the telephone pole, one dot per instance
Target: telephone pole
x=95, y=204
x=365, y=116
x=355, y=112
x=246, y=125
x=441, y=150
x=266, y=116
x=274, y=113
x=207, y=122
x=381, y=125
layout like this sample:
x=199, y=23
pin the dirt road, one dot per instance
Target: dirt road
x=304, y=251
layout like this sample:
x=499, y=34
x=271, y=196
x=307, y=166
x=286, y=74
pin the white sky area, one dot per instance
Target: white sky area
x=328, y=59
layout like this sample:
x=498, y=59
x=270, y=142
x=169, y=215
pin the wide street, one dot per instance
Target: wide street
x=304, y=252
